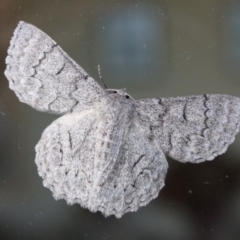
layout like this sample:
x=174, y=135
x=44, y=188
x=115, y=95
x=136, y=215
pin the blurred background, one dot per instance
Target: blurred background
x=154, y=48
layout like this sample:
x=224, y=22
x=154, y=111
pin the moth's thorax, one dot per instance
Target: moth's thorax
x=116, y=106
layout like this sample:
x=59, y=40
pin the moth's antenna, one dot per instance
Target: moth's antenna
x=100, y=76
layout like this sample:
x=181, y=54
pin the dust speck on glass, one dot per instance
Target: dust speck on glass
x=107, y=152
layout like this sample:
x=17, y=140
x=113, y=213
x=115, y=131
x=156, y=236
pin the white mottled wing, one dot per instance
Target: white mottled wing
x=113, y=175
x=191, y=129
x=44, y=76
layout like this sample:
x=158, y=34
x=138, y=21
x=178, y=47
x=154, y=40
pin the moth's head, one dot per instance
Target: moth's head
x=120, y=92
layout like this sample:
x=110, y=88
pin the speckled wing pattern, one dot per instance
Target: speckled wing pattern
x=44, y=76
x=107, y=153
x=113, y=170
x=191, y=129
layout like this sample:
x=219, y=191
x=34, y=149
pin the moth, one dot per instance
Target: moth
x=107, y=151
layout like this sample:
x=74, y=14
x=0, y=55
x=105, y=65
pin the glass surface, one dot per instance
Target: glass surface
x=154, y=49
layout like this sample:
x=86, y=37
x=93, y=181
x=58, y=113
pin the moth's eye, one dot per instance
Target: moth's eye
x=127, y=97
x=115, y=92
